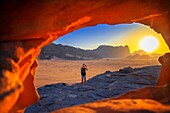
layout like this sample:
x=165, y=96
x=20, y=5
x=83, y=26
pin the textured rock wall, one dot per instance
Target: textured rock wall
x=27, y=26
x=165, y=70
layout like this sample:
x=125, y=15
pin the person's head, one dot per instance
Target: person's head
x=84, y=64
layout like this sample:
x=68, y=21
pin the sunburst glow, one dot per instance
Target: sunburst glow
x=149, y=43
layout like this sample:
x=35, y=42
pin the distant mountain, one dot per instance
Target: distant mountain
x=111, y=51
x=54, y=51
x=155, y=55
x=139, y=52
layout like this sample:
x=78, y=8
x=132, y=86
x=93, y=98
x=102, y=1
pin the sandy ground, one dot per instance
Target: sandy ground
x=68, y=71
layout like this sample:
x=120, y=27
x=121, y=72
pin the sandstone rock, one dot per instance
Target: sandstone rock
x=28, y=26
x=108, y=93
x=124, y=84
x=118, y=75
x=10, y=83
x=118, y=106
x=86, y=88
x=34, y=109
x=126, y=70
x=72, y=95
x=95, y=96
x=55, y=106
x=148, y=71
x=28, y=87
x=46, y=101
x=108, y=72
x=165, y=70
x=140, y=80
x=160, y=94
x=44, y=110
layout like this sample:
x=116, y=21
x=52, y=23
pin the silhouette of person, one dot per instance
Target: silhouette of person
x=83, y=73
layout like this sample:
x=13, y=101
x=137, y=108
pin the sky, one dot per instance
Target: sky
x=114, y=35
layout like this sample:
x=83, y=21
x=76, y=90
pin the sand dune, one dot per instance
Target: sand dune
x=68, y=71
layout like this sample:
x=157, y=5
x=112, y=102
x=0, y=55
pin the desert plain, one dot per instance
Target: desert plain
x=68, y=71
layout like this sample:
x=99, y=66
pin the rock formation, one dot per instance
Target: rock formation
x=53, y=51
x=66, y=52
x=165, y=71
x=101, y=87
x=112, y=51
x=119, y=106
x=139, y=52
x=27, y=26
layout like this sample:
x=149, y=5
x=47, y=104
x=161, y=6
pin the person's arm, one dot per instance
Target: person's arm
x=86, y=68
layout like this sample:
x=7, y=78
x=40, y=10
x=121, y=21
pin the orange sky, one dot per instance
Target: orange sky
x=133, y=39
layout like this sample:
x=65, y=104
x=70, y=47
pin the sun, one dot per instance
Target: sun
x=149, y=43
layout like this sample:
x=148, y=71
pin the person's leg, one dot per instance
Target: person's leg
x=85, y=81
x=82, y=79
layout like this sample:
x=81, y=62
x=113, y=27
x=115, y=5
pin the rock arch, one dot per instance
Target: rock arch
x=27, y=26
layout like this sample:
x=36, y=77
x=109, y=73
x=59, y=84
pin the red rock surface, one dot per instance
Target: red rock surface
x=165, y=70
x=27, y=26
x=119, y=106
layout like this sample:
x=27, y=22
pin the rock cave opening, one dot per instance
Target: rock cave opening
x=27, y=26
x=62, y=60
x=88, y=44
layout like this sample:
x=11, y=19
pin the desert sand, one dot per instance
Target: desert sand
x=68, y=71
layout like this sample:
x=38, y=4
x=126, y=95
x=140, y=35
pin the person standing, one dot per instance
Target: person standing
x=83, y=73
